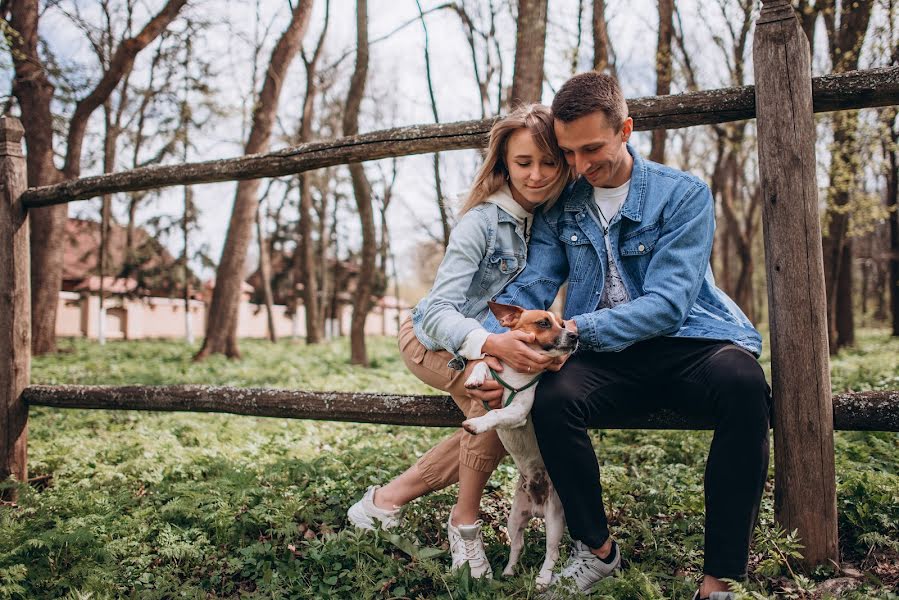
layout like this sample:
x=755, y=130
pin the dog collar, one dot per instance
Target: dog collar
x=514, y=390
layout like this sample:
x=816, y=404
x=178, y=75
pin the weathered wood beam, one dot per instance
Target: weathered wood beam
x=804, y=469
x=866, y=411
x=15, y=304
x=857, y=89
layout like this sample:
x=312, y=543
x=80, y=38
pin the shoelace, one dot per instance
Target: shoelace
x=576, y=568
x=472, y=550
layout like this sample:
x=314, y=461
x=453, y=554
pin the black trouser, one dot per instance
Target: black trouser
x=682, y=374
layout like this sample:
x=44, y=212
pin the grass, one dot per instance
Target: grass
x=177, y=505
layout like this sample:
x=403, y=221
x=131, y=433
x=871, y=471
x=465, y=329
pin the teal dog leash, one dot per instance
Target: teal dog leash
x=514, y=390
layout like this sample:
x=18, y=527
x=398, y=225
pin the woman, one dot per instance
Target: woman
x=523, y=169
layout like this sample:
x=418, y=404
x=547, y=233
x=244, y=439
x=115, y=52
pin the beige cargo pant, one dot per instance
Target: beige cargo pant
x=439, y=466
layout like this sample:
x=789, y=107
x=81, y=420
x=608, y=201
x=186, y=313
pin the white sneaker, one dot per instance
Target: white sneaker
x=582, y=571
x=467, y=546
x=365, y=515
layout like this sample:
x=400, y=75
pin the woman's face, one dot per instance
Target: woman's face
x=531, y=172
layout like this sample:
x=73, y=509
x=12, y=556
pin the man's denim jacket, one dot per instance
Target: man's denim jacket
x=486, y=250
x=662, y=240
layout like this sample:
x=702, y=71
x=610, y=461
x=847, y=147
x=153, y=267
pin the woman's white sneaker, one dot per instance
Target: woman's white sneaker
x=365, y=515
x=466, y=546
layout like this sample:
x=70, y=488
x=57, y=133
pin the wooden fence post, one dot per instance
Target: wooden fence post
x=805, y=481
x=15, y=304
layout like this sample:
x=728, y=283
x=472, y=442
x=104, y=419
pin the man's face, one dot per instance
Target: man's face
x=595, y=150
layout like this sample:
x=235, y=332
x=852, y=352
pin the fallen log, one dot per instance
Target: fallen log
x=858, y=411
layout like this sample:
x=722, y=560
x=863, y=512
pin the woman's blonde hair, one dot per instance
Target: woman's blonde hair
x=493, y=173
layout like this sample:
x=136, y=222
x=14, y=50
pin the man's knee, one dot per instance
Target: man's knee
x=740, y=382
x=554, y=402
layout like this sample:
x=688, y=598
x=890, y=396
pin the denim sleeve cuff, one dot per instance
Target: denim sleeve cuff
x=461, y=332
x=586, y=331
x=474, y=343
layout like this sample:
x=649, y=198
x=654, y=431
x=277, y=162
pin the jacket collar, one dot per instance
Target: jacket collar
x=582, y=192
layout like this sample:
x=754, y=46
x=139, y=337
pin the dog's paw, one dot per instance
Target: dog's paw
x=478, y=376
x=474, y=426
x=543, y=580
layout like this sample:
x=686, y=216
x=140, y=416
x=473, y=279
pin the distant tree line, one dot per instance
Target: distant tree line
x=149, y=92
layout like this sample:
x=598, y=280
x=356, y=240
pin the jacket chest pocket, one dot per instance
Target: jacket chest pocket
x=579, y=251
x=640, y=242
x=500, y=266
x=636, y=247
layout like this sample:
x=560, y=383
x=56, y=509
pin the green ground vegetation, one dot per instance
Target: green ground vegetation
x=181, y=505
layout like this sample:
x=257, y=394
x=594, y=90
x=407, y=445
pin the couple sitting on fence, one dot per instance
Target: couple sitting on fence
x=632, y=239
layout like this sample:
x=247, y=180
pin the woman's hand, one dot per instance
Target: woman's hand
x=512, y=348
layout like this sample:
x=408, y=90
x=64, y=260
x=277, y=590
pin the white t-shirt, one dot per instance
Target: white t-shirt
x=609, y=202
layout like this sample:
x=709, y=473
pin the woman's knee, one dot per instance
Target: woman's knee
x=481, y=452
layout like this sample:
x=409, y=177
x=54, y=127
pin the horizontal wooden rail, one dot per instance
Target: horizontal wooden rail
x=863, y=411
x=853, y=90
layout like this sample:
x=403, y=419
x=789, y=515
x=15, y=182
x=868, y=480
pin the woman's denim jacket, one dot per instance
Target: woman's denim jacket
x=662, y=240
x=486, y=251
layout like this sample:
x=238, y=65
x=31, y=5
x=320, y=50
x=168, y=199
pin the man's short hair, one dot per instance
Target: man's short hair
x=587, y=93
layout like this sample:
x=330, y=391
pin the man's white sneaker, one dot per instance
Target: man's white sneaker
x=466, y=546
x=365, y=515
x=582, y=571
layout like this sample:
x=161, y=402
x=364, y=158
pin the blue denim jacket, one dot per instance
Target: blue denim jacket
x=662, y=240
x=486, y=251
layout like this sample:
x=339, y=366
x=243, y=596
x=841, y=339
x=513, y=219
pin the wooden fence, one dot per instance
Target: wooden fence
x=783, y=102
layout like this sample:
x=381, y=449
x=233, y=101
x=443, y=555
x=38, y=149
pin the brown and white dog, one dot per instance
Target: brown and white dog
x=535, y=495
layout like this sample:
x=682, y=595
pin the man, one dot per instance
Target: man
x=633, y=239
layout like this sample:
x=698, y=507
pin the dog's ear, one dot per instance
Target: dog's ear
x=507, y=314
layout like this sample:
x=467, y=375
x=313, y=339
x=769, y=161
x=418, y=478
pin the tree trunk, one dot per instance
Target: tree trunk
x=186, y=219
x=109, y=148
x=892, y=197
x=602, y=47
x=221, y=327
x=306, y=268
x=265, y=273
x=325, y=235
x=843, y=163
x=663, y=73
x=438, y=186
x=845, y=319
x=845, y=43
x=808, y=16
x=34, y=93
x=362, y=192
x=530, y=43
x=737, y=229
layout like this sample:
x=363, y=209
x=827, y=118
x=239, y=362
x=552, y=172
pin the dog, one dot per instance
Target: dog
x=535, y=495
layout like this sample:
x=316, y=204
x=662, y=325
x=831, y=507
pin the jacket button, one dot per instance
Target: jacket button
x=641, y=247
x=574, y=238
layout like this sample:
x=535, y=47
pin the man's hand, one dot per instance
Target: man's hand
x=512, y=348
x=490, y=391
